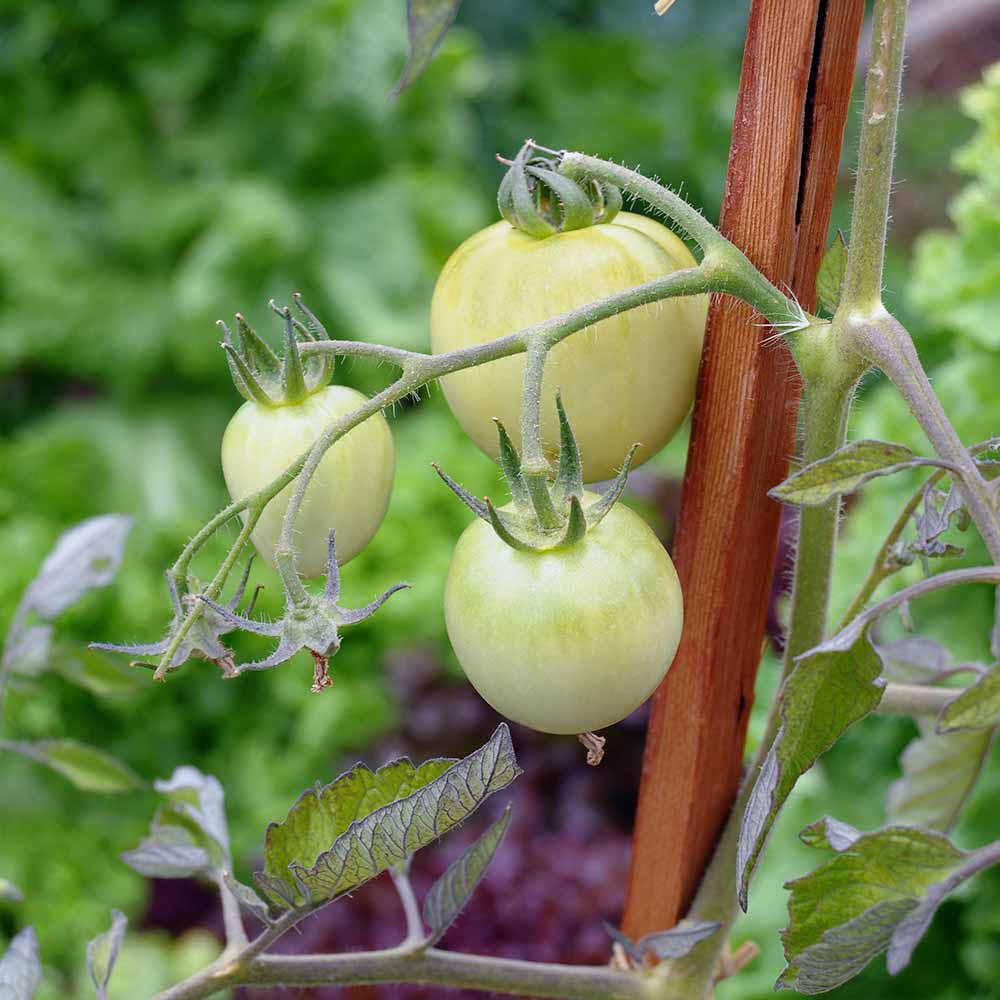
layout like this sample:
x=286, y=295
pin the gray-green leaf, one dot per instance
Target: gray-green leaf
x=914, y=660
x=347, y=833
x=20, y=969
x=198, y=800
x=102, y=953
x=679, y=940
x=10, y=892
x=939, y=772
x=85, y=557
x=94, y=671
x=825, y=694
x=449, y=894
x=845, y=471
x=27, y=649
x=247, y=898
x=977, y=707
x=170, y=851
x=847, y=910
x=85, y=766
x=427, y=22
x=830, y=278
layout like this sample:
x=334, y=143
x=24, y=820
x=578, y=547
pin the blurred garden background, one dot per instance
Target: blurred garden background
x=163, y=165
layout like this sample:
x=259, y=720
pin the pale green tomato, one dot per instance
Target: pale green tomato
x=630, y=378
x=349, y=492
x=567, y=641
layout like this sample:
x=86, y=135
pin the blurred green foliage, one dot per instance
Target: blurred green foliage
x=162, y=164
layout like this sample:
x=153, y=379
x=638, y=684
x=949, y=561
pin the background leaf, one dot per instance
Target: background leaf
x=102, y=953
x=427, y=23
x=830, y=278
x=939, y=772
x=20, y=970
x=84, y=558
x=90, y=769
x=449, y=894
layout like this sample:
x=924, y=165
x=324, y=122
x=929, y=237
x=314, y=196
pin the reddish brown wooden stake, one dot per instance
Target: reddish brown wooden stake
x=794, y=97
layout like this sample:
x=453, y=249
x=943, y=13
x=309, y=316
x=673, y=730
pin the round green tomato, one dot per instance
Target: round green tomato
x=349, y=491
x=630, y=378
x=566, y=641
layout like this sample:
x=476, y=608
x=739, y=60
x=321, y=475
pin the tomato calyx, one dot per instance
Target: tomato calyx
x=545, y=515
x=202, y=639
x=534, y=198
x=310, y=622
x=261, y=376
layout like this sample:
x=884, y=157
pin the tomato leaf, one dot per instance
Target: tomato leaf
x=10, y=892
x=977, y=707
x=939, y=772
x=170, y=851
x=84, y=558
x=824, y=694
x=846, y=470
x=914, y=660
x=88, y=768
x=427, y=22
x=28, y=649
x=20, y=969
x=247, y=898
x=679, y=940
x=93, y=671
x=852, y=908
x=830, y=278
x=448, y=895
x=338, y=837
x=102, y=953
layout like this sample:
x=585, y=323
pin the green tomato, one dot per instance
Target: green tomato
x=630, y=378
x=349, y=492
x=570, y=640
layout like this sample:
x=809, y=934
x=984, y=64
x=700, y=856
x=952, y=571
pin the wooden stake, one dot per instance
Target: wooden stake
x=794, y=96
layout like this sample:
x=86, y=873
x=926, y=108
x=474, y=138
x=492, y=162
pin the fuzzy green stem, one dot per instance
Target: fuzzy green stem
x=862, y=289
x=825, y=409
x=915, y=700
x=431, y=967
x=414, y=924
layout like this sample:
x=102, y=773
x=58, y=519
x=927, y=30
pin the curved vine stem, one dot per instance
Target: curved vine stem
x=723, y=269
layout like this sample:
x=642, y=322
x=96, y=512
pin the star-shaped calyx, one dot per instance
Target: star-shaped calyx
x=544, y=516
x=202, y=639
x=310, y=622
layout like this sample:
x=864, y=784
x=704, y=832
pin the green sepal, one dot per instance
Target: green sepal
x=510, y=462
x=258, y=353
x=244, y=379
x=545, y=516
x=607, y=202
x=575, y=208
x=569, y=481
x=610, y=497
x=293, y=378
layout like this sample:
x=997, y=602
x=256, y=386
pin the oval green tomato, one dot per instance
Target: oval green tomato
x=630, y=378
x=567, y=641
x=349, y=491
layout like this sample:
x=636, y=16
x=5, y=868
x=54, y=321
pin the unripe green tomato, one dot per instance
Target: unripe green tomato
x=630, y=378
x=349, y=491
x=570, y=640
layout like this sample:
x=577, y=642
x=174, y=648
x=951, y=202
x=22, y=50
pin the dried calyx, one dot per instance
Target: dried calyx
x=261, y=376
x=544, y=516
x=541, y=202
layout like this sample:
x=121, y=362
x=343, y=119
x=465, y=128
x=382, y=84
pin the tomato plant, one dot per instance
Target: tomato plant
x=628, y=379
x=568, y=640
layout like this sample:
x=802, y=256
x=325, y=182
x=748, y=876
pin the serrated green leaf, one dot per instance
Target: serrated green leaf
x=844, y=471
x=847, y=910
x=939, y=772
x=372, y=821
x=85, y=766
x=977, y=707
x=830, y=278
x=427, y=22
x=102, y=953
x=95, y=672
x=85, y=557
x=20, y=969
x=10, y=892
x=825, y=694
x=449, y=894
